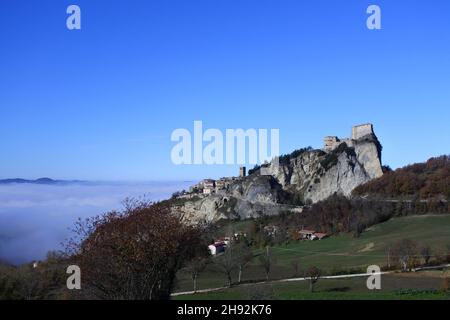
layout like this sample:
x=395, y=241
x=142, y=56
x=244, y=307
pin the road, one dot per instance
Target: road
x=359, y=275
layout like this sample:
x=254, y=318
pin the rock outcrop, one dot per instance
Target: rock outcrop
x=315, y=175
x=288, y=182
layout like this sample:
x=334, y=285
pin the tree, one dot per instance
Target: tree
x=195, y=267
x=446, y=281
x=133, y=254
x=243, y=255
x=295, y=266
x=425, y=180
x=406, y=252
x=388, y=251
x=426, y=254
x=313, y=274
x=228, y=262
x=267, y=261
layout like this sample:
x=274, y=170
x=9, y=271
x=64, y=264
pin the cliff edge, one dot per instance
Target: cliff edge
x=288, y=182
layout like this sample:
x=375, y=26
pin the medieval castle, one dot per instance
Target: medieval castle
x=358, y=132
x=211, y=186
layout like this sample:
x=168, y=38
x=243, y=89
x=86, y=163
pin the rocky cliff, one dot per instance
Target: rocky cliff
x=288, y=182
x=315, y=175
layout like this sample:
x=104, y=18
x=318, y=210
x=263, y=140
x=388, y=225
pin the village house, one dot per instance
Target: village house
x=306, y=234
x=220, y=245
x=221, y=184
x=217, y=247
x=209, y=186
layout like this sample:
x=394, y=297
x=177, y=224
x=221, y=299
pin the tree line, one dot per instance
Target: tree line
x=427, y=180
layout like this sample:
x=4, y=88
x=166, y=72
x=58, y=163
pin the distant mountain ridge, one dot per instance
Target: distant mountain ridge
x=38, y=181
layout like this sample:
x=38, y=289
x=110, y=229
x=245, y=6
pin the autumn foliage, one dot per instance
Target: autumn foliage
x=134, y=254
x=424, y=180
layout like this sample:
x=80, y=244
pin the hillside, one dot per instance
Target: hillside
x=430, y=179
x=343, y=253
x=288, y=182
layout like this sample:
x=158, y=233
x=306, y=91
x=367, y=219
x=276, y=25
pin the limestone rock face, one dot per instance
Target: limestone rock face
x=252, y=197
x=306, y=176
x=316, y=175
x=368, y=153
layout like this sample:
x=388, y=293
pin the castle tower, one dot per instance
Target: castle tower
x=330, y=143
x=362, y=130
x=242, y=172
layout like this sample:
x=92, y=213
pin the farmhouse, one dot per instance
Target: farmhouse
x=217, y=247
x=306, y=234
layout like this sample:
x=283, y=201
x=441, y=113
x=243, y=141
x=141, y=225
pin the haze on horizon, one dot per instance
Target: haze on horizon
x=35, y=219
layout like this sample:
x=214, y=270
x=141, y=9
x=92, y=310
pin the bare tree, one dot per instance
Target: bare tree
x=446, y=281
x=237, y=256
x=195, y=267
x=296, y=267
x=314, y=275
x=267, y=261
x=244, y=256
x=425, y=252
x=388, y=251
x=406, y=251
x=227, y=262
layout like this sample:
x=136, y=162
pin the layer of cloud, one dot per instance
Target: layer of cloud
x=37, y=218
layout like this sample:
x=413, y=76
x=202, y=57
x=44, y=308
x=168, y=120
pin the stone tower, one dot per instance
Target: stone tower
x=330, y=143
x=242, y=172
x=362, y=130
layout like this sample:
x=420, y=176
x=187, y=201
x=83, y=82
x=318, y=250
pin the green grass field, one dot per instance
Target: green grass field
x=346, y=252
x=419, y=286
x=341, y=253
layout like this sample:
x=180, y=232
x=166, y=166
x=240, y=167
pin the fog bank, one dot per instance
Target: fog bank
x=37, y=218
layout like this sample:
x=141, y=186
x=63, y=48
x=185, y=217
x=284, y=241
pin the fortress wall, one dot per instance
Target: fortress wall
x=332, y=142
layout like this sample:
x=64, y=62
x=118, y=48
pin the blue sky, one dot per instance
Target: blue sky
x=102, y=102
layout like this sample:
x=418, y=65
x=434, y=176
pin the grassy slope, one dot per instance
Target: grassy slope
x=419, y=287
x=341, y=252
x=344, y=251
